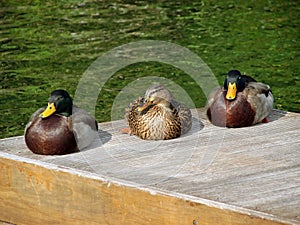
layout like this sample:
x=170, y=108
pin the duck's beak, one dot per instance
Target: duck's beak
x=145, y=104
x=143, y=107
x=48, y=111
x=231, y=92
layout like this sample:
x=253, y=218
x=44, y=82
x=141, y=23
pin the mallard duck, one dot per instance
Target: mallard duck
x=157, y=116
x=241, y=102
x=60, y=128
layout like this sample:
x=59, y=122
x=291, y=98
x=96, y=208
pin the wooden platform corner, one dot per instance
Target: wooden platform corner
x=211, y=175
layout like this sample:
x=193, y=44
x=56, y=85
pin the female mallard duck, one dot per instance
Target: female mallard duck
x=157, y=116
x=60, y=128
x=241, y=102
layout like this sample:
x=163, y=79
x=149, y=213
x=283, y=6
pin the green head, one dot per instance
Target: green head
x=59, y=102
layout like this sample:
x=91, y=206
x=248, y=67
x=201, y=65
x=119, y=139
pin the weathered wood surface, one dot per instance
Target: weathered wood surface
x=211, y=175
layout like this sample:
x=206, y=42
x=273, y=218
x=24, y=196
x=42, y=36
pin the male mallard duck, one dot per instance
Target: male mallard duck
x=157, y=116
x=241, y=102
x=60, y=128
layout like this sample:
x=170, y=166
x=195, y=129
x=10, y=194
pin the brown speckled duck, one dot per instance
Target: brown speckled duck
x=60, y=128
x=157, y=116
x=241, y=102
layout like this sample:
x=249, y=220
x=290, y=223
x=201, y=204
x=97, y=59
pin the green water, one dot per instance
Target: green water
x=46, y=46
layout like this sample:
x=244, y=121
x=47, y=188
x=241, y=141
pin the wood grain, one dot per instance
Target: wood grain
x=211, y=175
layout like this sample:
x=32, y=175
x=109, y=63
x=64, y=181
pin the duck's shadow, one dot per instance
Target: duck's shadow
x=276, y=114
x=102, y=138
x=197, y=125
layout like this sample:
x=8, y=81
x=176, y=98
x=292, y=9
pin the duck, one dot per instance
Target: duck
x=157, y=115
x=60, y=128
x=241, y=102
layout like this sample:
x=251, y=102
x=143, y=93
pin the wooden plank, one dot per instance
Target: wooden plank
x=211, y=175
x=34, y=194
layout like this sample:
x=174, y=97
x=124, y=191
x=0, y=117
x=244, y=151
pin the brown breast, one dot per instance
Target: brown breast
x=236, y=113
x=51, y=136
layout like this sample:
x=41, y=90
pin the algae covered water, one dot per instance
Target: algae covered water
x=49, y=45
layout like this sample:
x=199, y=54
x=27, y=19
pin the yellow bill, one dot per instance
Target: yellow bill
x=48, y=111
x=231, y=92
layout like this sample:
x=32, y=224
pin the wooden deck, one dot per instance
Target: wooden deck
x=211, y=175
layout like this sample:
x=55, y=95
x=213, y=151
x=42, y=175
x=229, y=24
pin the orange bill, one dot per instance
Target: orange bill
x=144, y=106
